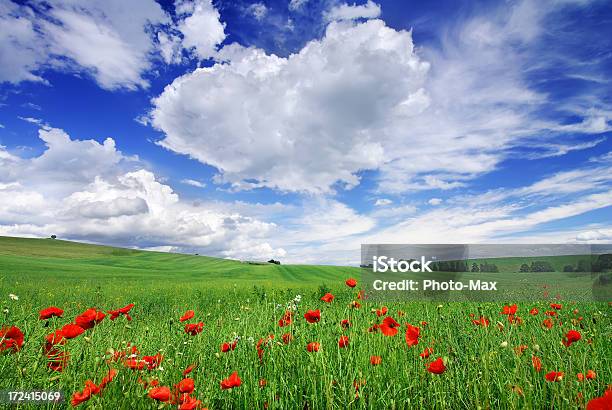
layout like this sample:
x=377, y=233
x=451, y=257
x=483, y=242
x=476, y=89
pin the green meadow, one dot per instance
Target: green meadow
x=485, y=366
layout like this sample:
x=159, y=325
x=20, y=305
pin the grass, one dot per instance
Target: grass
x=234, y=299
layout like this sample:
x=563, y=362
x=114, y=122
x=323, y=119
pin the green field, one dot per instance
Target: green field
x=236, y=299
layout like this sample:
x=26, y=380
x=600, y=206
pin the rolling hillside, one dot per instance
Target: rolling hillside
x=65, y=260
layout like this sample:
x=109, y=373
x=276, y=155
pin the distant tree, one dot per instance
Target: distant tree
x=603, y=263
x=568, y=268
x=524, y=268
x=274, y=262
x=489, y=267
x=541, y=266
x=475, y=267
x=583, y=266
x=53, y=236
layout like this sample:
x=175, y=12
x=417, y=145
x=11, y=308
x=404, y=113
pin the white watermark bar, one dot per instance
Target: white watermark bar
x=487, y=272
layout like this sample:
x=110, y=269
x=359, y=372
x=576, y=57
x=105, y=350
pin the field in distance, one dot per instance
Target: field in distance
x=65, y=261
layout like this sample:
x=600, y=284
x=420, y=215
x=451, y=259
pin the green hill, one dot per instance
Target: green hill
x=33, y=259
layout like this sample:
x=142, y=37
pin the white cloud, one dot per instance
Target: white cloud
x=295, y=5
x=345, y=11
x=108, y=40
x=434, y=201
x=324, y=219
x=331, y=94
x=383, y=202
x=32, y=120
x=258, y=10
x=21, y=48
x=595, y=236
x=114, y=41
x=170, y=47
x=201, y=27
x=607, y=157
x=390, y=214
x=85, y=190
x=557, y=150
x=432, y=120
x=193, y=182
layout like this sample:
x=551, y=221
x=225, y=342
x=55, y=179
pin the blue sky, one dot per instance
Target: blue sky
x=300, y=129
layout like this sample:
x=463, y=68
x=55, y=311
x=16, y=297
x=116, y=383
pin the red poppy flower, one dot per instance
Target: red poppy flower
x=57, y=359
x=551, y=313
x=89, y=318
x=520, y=349
x=343, y=341
x=591, y=375
x=554, y=376
x=70, y=331
x=161, y=393
x=190, y=403
x=153, y=361
x=194, y=328
x=412, y=335
x=389, y=326
x=355, y=305
x=548, y=323
x=601, y=403
x=351, y=283
x=375, y=360
x=188, y=315
x=437, y=366
x=534, y=311
x=189, y=369
x=286, y=319
x=55, y=338
x=374, y=328
x=50, y=312
x=537, y=363
x=261, y=343
x=382, y=311
x=345, y=323
x=226, y=347
x=482, y=321
x=287, y=338
x=426, y=353
x=328, y=298
x=186, y=386
x=514, y=320
x=556, y=306
x=571, y=337
x=11, y=338
x=108, y=378
x=313, y=346
x=313, y=316
x=89, y=390
x=509, y=310
x=121, y=311
x=231, y=382
x=580, y=377
x=135, y=364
